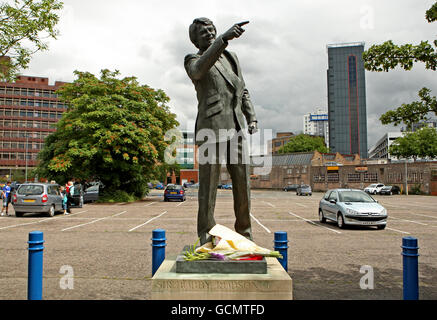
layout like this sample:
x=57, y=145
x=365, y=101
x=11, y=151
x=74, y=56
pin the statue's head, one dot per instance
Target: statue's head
x=202, y=33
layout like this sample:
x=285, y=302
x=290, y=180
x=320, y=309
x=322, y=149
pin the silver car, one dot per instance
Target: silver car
x=351, y=207
x=37, y=198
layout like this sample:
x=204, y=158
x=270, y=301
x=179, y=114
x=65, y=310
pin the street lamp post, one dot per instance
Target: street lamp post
x=406, y=177
x=25, y=155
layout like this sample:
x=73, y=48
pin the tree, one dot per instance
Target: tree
x=24, y=25
x=419, y=144
x=112, y=131
x=388, y=55
x=304, y=143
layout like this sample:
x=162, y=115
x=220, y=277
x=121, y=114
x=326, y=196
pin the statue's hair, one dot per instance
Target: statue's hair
x=193, y=30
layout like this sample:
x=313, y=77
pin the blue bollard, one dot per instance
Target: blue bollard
x=158, y=249
x=411, y=270
x=35, y=267
x=282, y=246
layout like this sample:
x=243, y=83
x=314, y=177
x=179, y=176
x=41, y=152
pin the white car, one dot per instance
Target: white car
x=374, y=188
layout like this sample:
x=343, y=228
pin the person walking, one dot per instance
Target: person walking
x=63, y=192
x=70, y=192
x=6, y=195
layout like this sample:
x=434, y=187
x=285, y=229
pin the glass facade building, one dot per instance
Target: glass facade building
x=347, y=99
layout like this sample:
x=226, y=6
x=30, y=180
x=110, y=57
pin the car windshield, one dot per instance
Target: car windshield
x=174, y=187
x=372, y=186
x=29, y=190
x=355, y=196
x=304, y=187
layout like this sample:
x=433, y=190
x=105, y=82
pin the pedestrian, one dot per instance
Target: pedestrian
x=64, y=199
x=70, y=192
x=6, y=195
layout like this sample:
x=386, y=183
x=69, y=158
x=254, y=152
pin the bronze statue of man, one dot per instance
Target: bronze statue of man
x=223, y=106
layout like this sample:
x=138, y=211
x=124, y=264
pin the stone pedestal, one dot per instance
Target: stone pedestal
x=276, y=284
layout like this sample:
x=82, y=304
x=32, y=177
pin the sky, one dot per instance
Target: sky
x=282, y=52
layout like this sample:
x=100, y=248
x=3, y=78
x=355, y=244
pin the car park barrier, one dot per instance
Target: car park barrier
x=410, y=265
x=35, y=267
x=281, y=245
x=158, y=249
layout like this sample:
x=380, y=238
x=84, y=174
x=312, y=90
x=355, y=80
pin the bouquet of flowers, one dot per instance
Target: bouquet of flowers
x=228, y=245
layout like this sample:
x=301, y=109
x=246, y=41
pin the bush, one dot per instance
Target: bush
x=118, y=196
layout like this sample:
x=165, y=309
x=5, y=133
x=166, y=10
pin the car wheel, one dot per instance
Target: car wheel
x=19, y=214
x=322, y=219
x=51, y=212
x=391, y=193
x=340, y=221
x=374, y=192
x=381, y=227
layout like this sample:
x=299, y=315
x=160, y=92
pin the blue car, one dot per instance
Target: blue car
x=227, y=186
x=159, y=186
x=174, y=192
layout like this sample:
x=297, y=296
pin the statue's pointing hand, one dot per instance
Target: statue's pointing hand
x=235, y=31
x=253, y=127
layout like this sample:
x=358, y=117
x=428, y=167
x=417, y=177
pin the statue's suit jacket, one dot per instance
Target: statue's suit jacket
x=221, y=93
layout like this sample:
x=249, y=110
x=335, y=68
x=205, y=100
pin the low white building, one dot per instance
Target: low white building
x=380, y=149
x=316, y=124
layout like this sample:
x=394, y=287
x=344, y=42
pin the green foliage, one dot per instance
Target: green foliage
x=117, y=196
x=419, y=144
x=304, y=143
x=24, y=25
x=388, y=55
x=412, y=112
x=431, y=14
x=113, y=131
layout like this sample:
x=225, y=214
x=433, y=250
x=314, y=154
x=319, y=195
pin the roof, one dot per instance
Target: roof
x=288, y=159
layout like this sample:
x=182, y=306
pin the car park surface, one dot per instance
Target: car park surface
x=108, y=245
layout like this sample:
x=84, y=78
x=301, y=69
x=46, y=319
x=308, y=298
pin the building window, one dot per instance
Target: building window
x=319, y=178
x=265, y=177
x=354, y=177
x=370, y=177
x=333, y=177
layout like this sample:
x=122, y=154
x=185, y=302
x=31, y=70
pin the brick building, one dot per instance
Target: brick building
x=29, y=110
x=333, y=170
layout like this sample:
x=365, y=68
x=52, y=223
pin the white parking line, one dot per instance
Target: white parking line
x=143, y=224
x=180, y=203
x=257, y=221
x=84, y=224
x=312, y=222
x=423, y=215
x=35, y=222
x=271, y=205
x=302, y=205
x=149, y=204
x=423, y=224
x=397, y=230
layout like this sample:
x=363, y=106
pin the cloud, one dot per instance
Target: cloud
x=282, y=53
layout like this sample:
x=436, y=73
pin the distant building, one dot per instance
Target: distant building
x=281, y=139
x=29, y=110
x=186, y=158
x=380, y=149
x=347, y=99
x=316, y=124
x=430, y=123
